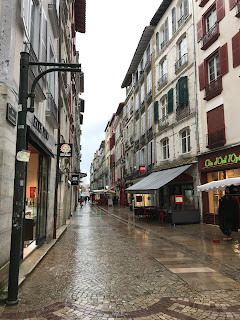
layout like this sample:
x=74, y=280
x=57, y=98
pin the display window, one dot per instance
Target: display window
x=214, y=196
x=187, y=195
x=35, y=217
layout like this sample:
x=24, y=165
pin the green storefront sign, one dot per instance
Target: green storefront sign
x=228, y=159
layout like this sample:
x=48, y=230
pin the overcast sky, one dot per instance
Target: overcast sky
x=113, y=30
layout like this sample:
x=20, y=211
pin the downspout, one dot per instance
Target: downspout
x=196, y=102
x=195, y=80
x=58, y=135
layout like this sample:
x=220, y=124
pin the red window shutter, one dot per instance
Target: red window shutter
x=199, y=30
x=232, y=4
x=236, y=49
x=216, y=127
x=220, y=7
x=202, y=75
x=223, y=59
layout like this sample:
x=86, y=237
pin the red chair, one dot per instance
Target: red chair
x=162, y=214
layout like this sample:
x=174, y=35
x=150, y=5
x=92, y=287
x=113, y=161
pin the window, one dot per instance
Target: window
x=173, y=20
x=211, y=71
x=183, y=12
x=149, y=82
x=211, y=19
x=163, y=70
x=142, y=93
x=137, y=101
x=164, y=34
x=213, y=68
x=150, y=116
x=137, y=160
x=143, y=124
x=148, y=53
x=207, y=26
x=216, y=127
x=164, y=109
x=182, y=92
x=157, y=43
x=165, y=148
x=151, y=152
x=185, y=139
x=182, y=53
x=182, y=48
x=137, y=130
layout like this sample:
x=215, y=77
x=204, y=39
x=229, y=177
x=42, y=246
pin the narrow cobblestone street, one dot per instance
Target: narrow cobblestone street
x=105, y=268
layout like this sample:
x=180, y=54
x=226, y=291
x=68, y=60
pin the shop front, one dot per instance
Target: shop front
x=170, y=190
x=219, y=165
x=36, y=192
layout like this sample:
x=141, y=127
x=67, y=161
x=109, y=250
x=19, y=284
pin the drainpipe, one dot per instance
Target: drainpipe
x=58, y=139
x=195, y=80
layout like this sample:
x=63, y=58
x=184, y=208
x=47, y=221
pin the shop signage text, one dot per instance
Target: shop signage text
x=75, y=180
x=65, y=150
x=222, y=160
x=142, y=169
x=11, y=114
x=40, y=128
x=178, y=199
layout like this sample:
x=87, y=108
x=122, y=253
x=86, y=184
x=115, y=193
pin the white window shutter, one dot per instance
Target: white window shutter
x=44, y=39
x=145, y=155
x=153, y=160
x=25, y=14
x=149, y=153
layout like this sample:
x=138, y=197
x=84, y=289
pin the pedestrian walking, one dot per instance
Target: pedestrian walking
x=81, y=202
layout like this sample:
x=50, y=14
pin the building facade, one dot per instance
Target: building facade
x=46, y=31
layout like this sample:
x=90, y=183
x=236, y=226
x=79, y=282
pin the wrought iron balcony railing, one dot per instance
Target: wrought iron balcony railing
x=183, y=60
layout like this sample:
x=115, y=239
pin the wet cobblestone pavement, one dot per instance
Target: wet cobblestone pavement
x=104, y=268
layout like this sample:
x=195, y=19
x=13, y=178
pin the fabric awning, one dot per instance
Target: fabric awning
x=219, y=184
x=157, y=179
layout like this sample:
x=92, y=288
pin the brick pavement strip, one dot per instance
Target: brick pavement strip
x=97, y=270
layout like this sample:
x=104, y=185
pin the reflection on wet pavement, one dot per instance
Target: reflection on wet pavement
x=103, y=268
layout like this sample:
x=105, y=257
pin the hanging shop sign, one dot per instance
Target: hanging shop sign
x=142, y=169
x=65, y=150
x=40, y=128
x=23, y=156
x=82, y=175
x=11, y=114
x=221, y=160
x=178, y=199
x=75, y=180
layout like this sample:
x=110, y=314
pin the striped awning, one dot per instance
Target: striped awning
x=157, y=179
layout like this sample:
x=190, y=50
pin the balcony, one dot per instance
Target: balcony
x=237, y=9
x=182, y=112
x=149, y=96
x=52, y=111
x=53, y=12
x=216, y=139
x=137, y=144
x=181, y=62
x=213, y=89
x=163, y=123
x=137, y=114
x=210, y=37
x=135, y=87
x=126, y=145
x=202, y=3
x=142, y=139
x=162, y=81
x=182, y=19
x=131, y=140
x=150, y=133
x=141, y=77
x=163, y=44
x=142, y=106
x=148, y=63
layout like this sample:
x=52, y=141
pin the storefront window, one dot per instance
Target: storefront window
x=214, y=196
x=187, y=192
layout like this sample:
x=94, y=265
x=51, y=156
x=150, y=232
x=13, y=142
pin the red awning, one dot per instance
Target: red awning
x=80, y=16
